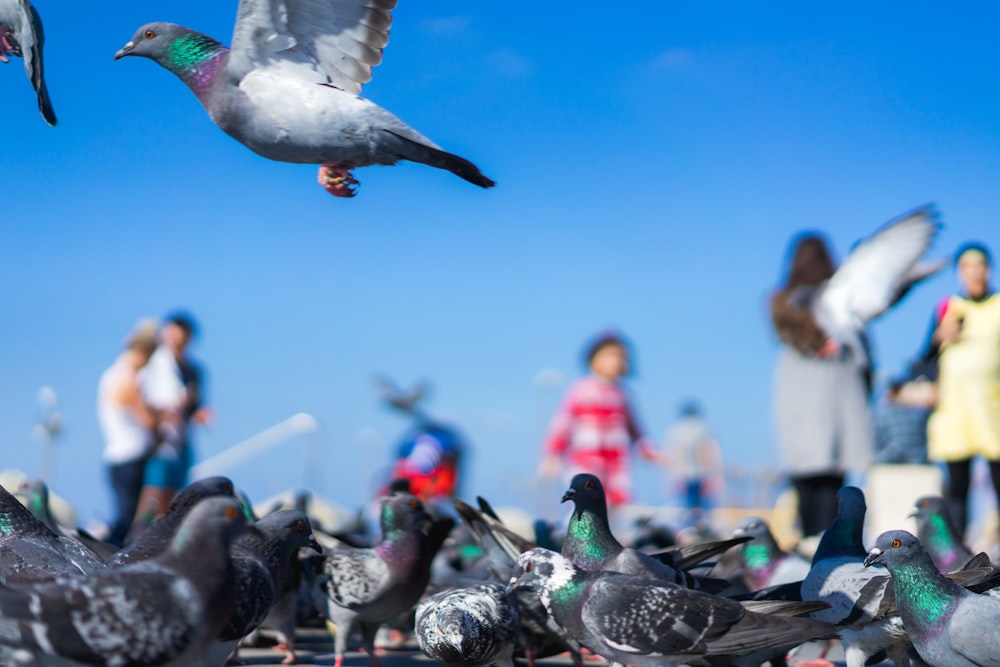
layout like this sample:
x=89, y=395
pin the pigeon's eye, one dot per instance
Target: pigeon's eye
x=299, y=526
x=589, y=484
x=150, y=34
x=527, y=567
x=896, y=544
x=231, y=513
x=415, y=504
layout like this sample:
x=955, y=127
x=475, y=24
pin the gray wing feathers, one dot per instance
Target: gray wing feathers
x=341, y=40
x=356, y=576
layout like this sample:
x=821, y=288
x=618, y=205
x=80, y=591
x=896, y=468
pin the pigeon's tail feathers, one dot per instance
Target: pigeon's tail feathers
x=45, y=105
x=756, y=631
x=435, y=157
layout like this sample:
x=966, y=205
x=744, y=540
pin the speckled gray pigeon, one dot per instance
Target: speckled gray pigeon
x=590, y=545
x=162, y=611
x=644, y=621
x=469, y=627
x=949, y=626
x=366, y=587
x=288, y=87
x=31, y=551
x=764, y=563
x=938, y=534
x=21, y=35
x=155, y=539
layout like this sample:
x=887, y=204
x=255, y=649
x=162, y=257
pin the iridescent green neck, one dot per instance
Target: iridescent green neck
x=926, y=597
x=566, y=596
x=938, y=535
x=194, y=58
x=591, y=541
x=842, y=538
x=757, y=556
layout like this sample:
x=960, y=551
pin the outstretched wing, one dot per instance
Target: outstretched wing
x=870, y=279
x=27, y=26
x=338, y=41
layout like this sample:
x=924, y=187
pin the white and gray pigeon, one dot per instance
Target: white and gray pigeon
x=949, y=626
x=21, y=35
x=162, y=611
x=366, y=587
x=155, y=539
x=877, y=273
x=31, y=551
x=288, y=87
x=856, y=594
x=647, y=622
x=469, y=627
x=764, y=563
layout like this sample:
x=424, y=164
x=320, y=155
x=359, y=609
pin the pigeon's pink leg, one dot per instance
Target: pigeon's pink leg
x=336, y=177
x=6, y=48
x=339, y=661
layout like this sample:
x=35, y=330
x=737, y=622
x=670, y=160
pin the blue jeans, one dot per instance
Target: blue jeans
x=126, y=484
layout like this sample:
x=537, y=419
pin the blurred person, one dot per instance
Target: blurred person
x=595, y=428
x=696, y=458
x=127, y=424
x=901, y=421
x=172, y=384
x=820, y=393
x=966, y=422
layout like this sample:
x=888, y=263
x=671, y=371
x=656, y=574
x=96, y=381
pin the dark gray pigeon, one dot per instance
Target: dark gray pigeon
x=764, y=563
x=645, y=622
x=162, y=611
x=21, y=35
x=469, y=627
x=289, y=86
x=949, y=626
x=31, y=551
x=938, y=534
x=590, y=545
x=35, y=493
x=366, y=587
x=155, y=539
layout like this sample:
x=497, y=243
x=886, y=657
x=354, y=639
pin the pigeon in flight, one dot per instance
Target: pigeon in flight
x=288, y=87
x=21, y=35
x=949, y=626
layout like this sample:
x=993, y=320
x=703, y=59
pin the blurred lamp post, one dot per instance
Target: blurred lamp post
x=47, y=429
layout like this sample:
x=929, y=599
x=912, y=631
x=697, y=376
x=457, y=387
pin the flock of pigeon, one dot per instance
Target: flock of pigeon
x=288, y=87
x=209, y=574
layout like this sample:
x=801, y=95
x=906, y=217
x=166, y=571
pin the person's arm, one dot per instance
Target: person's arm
x=647, y=450
x=557, y=438
x=129, y=396
x=949, y=328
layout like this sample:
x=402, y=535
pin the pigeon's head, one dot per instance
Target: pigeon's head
x=542, y=571
x=291, y=528
x=752, y=526
x=195, y=492
x=153, y=40
x=929, y=506
x=403, y=513
x=211, y=521
x=585, y=490
x=893, y=548
x=851, y=502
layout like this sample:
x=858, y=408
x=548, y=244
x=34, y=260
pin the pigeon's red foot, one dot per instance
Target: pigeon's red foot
x=336, y=177
x=338, y=661
x=290, y=658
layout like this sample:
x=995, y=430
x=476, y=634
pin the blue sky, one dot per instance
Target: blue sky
x=652, y=162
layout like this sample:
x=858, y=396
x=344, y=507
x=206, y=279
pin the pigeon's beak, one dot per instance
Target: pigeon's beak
x=873, y=557
x=314, y=545
x=125, y=51
x=568, y=495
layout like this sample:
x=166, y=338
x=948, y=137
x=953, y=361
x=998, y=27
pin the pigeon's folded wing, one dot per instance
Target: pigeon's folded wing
x=339, y=40
x=356, y=576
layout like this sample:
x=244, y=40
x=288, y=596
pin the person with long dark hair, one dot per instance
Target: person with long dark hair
x=822, y=418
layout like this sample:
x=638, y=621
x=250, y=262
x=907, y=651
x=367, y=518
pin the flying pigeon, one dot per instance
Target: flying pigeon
x=949, y=626
x=469, y=627
x=21, y=35
x=590, y=545
x=856, y=594
x=288, y=87
x=938, y=534
x=31, y=551
x=165, y=610
x=645, y=621
x=764, y=563
x=366, y=587
x=877, y=273
x=155, y=539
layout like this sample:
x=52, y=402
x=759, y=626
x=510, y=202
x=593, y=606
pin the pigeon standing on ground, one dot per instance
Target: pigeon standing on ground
x=855, y=594
x=288, y=86
x=645, y=622
x=366, y=587
x=469, y=627
x=949, y=626
x=938, y=534
x=874, y=277
x=590, y=545
x=163, y=611
x=31, y=551
x=21, y=35
x=764, y=563
x=155, y=539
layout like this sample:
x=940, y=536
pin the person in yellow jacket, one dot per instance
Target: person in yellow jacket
x=966, y=422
